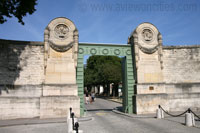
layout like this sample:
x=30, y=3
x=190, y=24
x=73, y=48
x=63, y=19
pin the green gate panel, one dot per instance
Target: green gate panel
x=127, y=65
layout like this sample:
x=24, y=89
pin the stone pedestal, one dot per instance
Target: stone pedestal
x=60, y=91
x=146, y=43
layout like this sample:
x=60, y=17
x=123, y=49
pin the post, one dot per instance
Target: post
x=189, y=119
x=72, y=114
x=70, y=109
x=69, y=126
x=69, y=114
x=159, y=113
x=76, y=127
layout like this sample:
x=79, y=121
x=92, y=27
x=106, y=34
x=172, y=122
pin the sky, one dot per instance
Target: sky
x=112, y=21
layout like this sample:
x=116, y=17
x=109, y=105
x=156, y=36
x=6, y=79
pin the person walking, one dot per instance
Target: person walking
x=87, y=98
x=93, y=96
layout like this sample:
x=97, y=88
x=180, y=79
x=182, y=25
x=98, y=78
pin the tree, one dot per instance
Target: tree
x=16, y=8
x=102, y=70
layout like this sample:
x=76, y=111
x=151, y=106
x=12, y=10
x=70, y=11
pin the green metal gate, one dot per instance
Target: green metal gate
x=127, y=65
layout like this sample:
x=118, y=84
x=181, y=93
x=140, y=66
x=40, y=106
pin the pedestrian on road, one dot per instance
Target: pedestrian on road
x=90, y=98
x=93, y=96
x=87, y=98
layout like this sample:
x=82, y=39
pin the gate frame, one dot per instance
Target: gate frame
x=127, y=71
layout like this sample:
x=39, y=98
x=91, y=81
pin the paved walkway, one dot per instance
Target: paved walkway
x=106, y=121
x=32, y=121
x=35, y=125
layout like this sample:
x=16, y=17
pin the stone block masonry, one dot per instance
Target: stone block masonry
x=22, y=63
x=181, y=82
x=19, y=107
x=39, y=79
x=21, y=84
x=165, y=75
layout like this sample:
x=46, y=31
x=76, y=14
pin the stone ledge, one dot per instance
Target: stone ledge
x=183, y=95
x=164, y=83
x=5, y=42
x=181, y=47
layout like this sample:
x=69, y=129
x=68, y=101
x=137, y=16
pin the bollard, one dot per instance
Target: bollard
x=158, y=114
x=70, y=110
x=69, y=125
x=162, y=114
x=189, y=119
x=69, y=113
x=193, y=120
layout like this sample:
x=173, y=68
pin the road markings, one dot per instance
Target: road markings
x=101, y=113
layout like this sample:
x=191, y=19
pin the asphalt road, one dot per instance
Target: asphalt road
x=106, y=121
x=36, y=128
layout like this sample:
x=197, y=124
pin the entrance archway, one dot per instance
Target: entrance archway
x=127, y=72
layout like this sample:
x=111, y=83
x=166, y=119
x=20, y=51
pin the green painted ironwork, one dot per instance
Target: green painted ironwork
x=127, y=64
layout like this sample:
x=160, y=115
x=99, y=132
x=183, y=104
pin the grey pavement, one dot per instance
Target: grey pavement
x=106, y=121
x=32, y=121
x=34, y=125
x=36, y=128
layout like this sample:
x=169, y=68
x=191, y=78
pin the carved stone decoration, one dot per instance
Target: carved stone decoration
x=147, y=35
x=160, y=50
x=61, y=31
x=61, y=48
x=135, y=40
x=61, y=43
x=61, y=35
x=148, y=50
x=147, y=39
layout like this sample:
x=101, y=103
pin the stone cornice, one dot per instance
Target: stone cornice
x=182, y=47
x=18, y=42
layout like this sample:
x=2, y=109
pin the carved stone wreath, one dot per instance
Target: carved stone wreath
x=61, y=48
x=61, y=31
x=147, y=35
x=148, y=50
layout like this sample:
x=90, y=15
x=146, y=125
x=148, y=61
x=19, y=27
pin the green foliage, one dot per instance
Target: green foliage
x=102, y=70
x=16, y=8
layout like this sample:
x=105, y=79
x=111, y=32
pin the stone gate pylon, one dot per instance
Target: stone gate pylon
x=60, y=60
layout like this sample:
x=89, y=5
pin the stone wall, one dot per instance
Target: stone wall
x=54, y=107
x=181, y=64
x=181, y=76
x=165, y=75
x=21, y=78
x=23, y=92
x=180, y=89
x=19, y=107
x=22, y=63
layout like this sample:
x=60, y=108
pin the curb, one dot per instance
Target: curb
x=113, y=101
x=129, y=115
x=82, y=119
x=31, y=123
